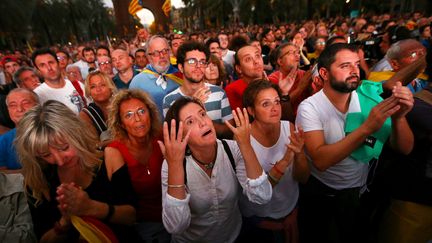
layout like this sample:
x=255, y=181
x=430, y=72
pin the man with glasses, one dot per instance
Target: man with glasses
x=159, y=77
x=192, y=60
x=289, y=76
x=123, y=63
x=105, y=66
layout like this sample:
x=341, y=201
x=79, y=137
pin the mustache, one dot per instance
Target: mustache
x=353, y=76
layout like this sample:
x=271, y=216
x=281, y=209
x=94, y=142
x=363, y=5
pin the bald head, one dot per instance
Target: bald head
x=405, y=52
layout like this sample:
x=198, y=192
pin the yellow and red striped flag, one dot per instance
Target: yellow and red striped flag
x=166, y=7
x=134, y=7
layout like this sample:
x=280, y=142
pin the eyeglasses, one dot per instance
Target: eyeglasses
x=131, y=114
x=159, y=53
x=290, y=53
x=195, y=62
x=321, y=43
x=104, y=63
x=60, y=58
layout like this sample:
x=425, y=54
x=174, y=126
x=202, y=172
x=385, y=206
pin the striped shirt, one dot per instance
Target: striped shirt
x=217, y=104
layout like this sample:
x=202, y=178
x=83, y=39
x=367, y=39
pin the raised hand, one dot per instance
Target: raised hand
x=380, y=113
x=406, y=100
x=174, y=146
x=242, y=129
x=202, y=94
x=285, y=84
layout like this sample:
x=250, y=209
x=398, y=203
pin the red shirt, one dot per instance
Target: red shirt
x=147, y=186
x=234, y=92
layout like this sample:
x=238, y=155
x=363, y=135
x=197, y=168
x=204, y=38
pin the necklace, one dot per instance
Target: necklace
x=208, y=166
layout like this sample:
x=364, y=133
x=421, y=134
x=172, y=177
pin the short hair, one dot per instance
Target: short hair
x=68, y=67
x=152, y=38
x=17, y=74
x=42, y=51
x=105, y=48
x=236, y=58
x=210, y=41
x=254, y=88
x=174, y=110
x=38, y=129
x=332, y=39
x=108, y=81
x=34, y=96
x=397, y=33
x=281, y=47
x=64, y=52
x=140, y=50
x=87, y=49
x=114, y=119
x=328, y=56
x=238, y=42
x=399, y=49
x=190, y=46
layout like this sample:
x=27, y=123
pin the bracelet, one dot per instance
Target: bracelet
x=111, y=210
x=176, y=186
x=285, y=98
x=60, y=230
x=278, y=171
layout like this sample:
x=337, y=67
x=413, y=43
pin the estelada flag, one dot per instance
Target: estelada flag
x=166, y=7
x=135, y=6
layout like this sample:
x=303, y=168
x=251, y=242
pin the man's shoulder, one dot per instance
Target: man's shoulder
x=8, y=136
x=235, y=85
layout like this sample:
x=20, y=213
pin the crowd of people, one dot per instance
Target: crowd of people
x=303, y=132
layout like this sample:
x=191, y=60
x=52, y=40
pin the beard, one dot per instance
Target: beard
x=345, y=86
x=192, y=79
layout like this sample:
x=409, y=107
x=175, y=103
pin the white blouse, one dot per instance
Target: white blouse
x=210, y=212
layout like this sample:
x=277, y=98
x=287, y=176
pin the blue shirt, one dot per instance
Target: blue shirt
x=120, y=84
x=8, y=155
x=147, y=82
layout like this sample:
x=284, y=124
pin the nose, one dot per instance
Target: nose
x=137, y=116
x=58, y=157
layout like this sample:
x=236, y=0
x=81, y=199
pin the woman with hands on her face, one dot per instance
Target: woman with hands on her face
x=65, y=175
x=280, y=150
x=201, y=176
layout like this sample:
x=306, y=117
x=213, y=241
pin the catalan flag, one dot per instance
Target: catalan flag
x=135, y=6
x=166, y=7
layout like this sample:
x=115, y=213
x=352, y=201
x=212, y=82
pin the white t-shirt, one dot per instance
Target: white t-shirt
x=318, y=113
x=66, y=95
x=229, y=58
x=286, y=192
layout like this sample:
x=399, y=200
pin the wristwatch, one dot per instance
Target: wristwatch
x=285, y=98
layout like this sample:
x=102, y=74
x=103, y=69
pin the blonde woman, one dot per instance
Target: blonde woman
x=99, y=88
x=65, y=176
x=134, y=122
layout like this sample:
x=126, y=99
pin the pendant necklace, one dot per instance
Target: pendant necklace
x=208, y=166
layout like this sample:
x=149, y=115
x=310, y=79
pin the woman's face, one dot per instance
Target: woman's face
x=196, y=120
x=60, y=153
x=99, y=90
x=211, y=73
x=135, y=118
x=267, y=107
x=426, y=32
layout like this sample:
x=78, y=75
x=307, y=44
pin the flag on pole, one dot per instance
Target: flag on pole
x=166, y=7
x=135, y=6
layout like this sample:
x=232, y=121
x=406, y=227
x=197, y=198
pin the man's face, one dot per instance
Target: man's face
x=48, y=67
x=385, y=43
x=105, y=65
x=89, y=56
x=121, y=60
x=102, y=52
x=11, y=67
x=344, y=74
x=158, y=55
x=193, y=68
x=320, y=44
x=29, y=80
x=322, y=31
x=270, y=37
x=140, y=59
x=251, y=64
x=223, y=41
x=289, y=58
x=18, y=104
x=80, y=49
x=175, y=44
x=62, y=59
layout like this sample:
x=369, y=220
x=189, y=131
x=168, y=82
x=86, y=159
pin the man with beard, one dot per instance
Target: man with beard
x=55, y=87
x=159, y=77
x=192, y=60
x=89, y=63
x=345, y=126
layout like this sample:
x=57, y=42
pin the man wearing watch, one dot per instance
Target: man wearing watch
x=293, y=81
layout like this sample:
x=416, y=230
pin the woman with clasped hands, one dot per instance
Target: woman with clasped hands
x=200, y=183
